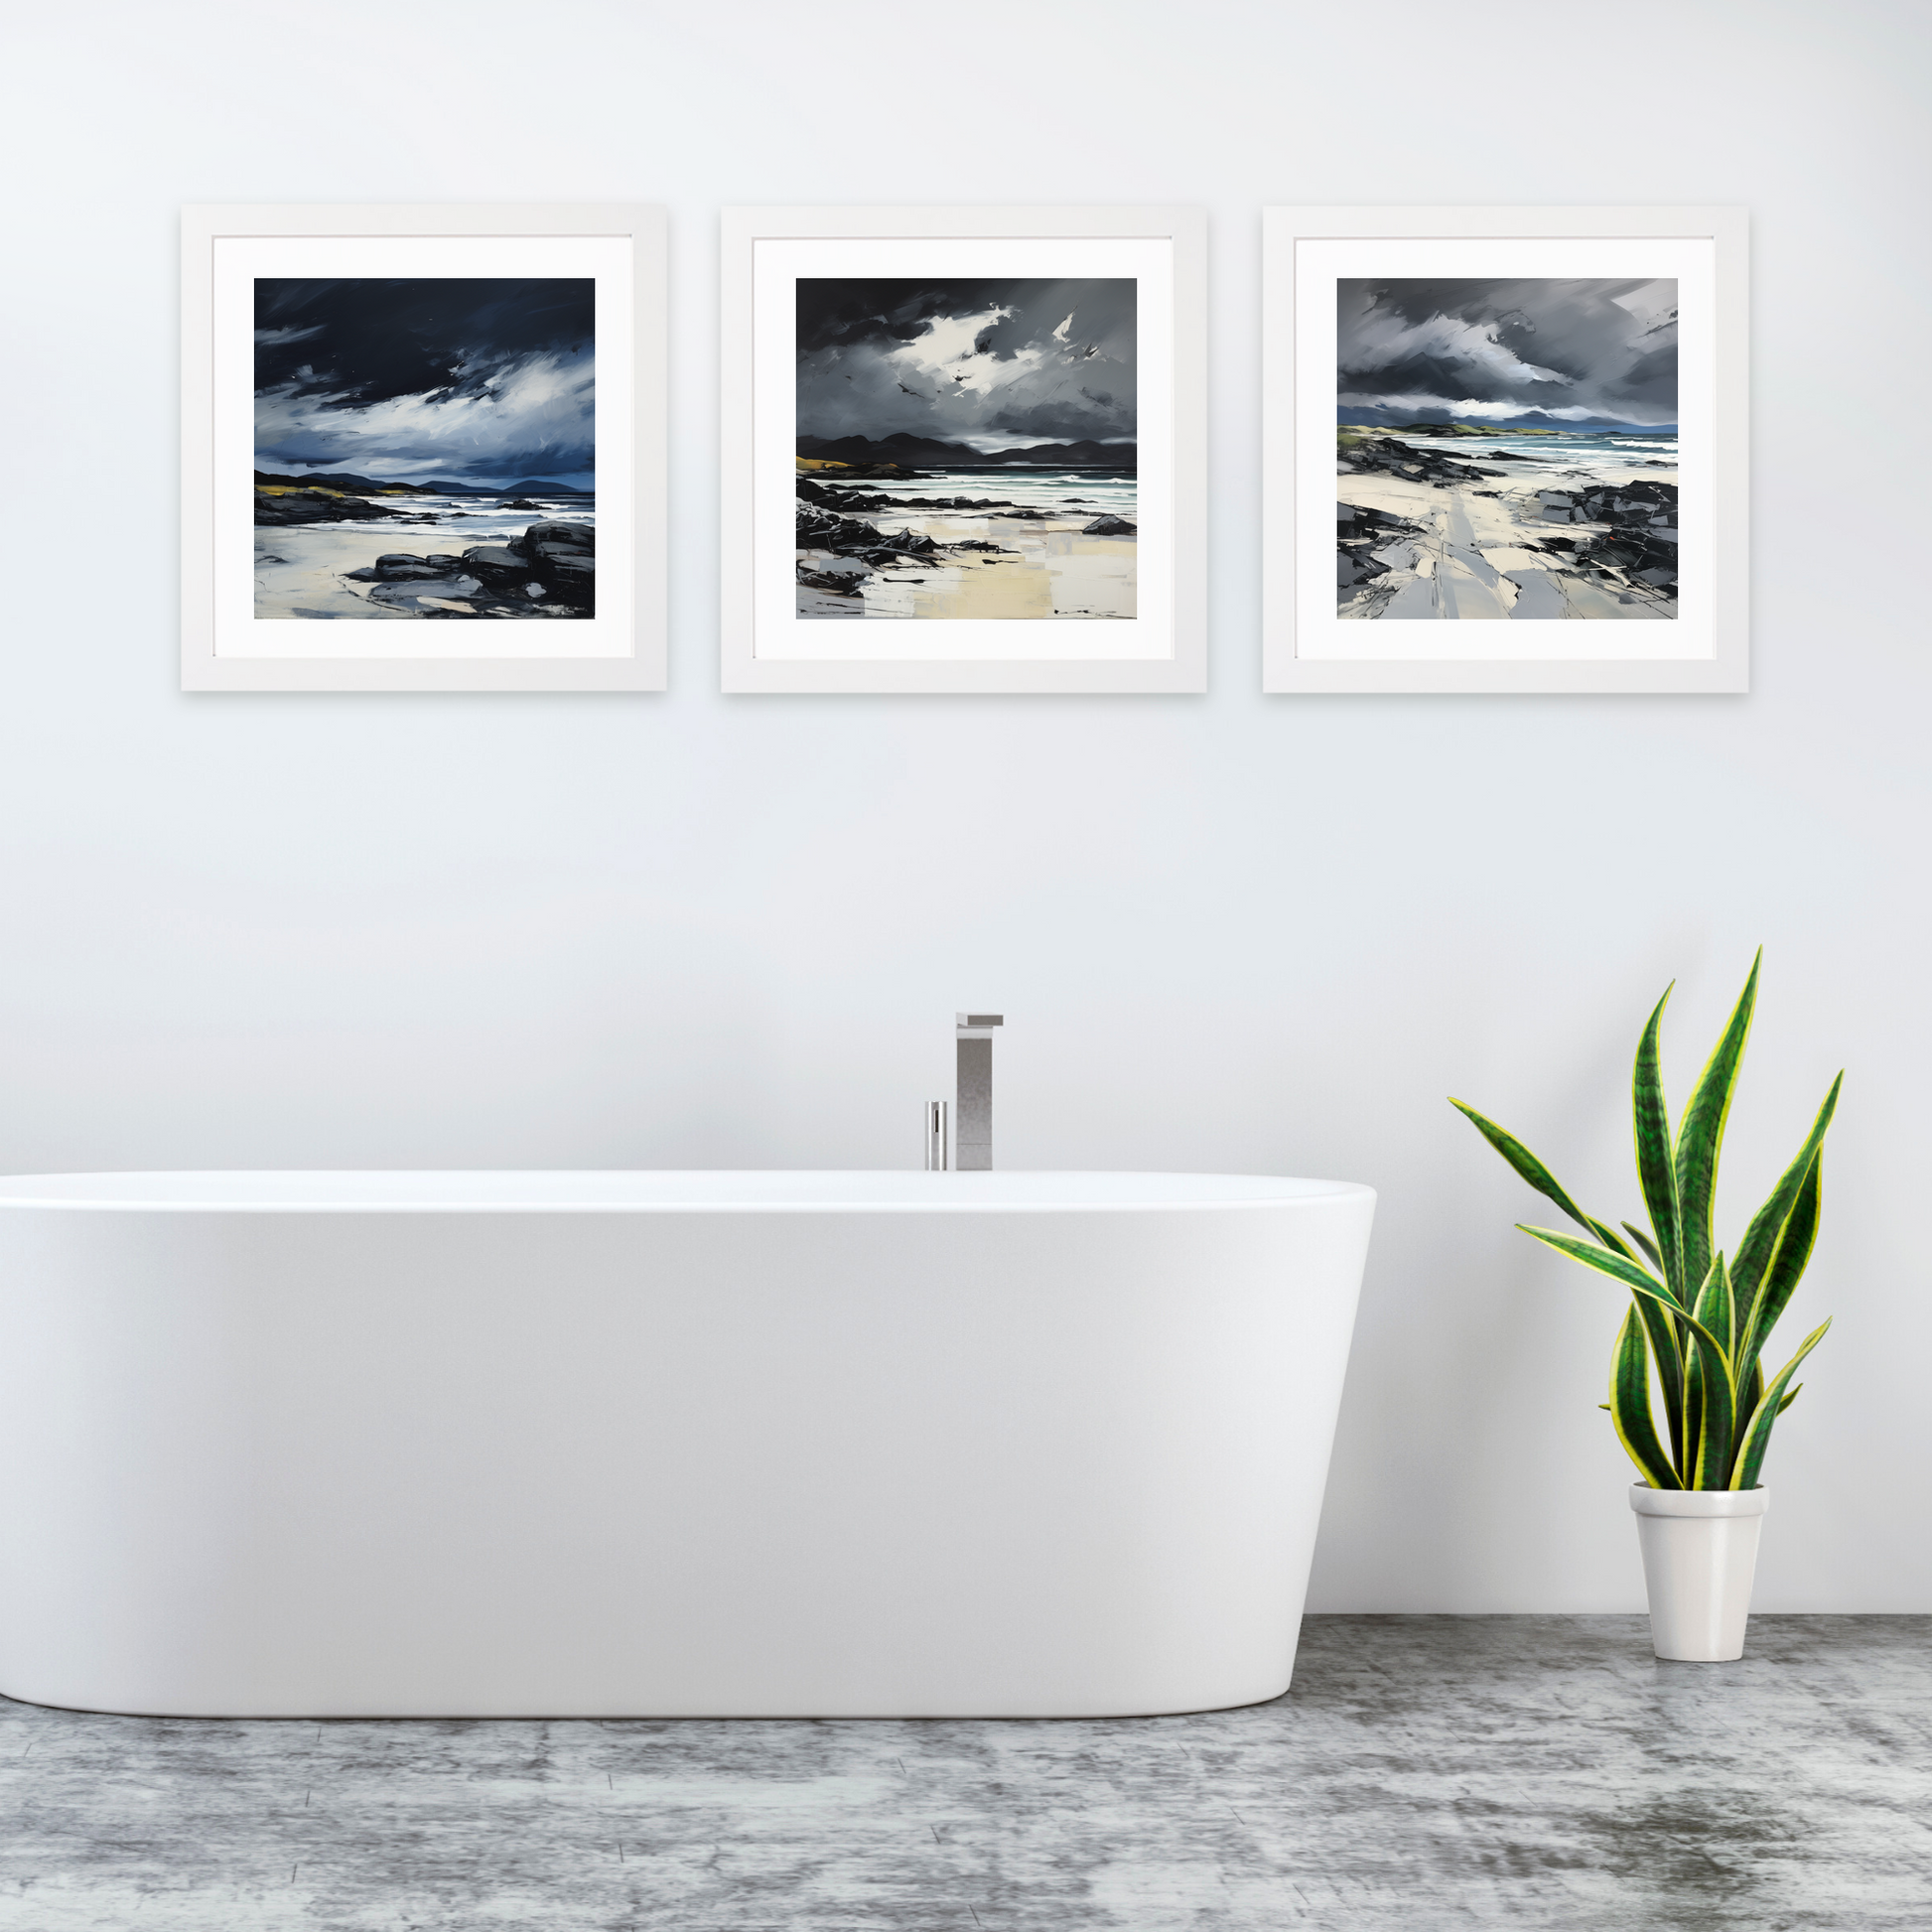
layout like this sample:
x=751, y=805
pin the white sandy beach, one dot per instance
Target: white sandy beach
x=1040, y=568
x=1494, y=547
x=1040, y=564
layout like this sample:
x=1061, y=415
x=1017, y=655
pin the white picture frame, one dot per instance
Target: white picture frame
x=767, y=649
x=1309, y=646
x=233, y=636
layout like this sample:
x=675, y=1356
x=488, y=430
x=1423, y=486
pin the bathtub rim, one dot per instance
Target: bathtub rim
x=600, y=1190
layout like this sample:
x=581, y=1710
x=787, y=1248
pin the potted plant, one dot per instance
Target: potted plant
x=1700, y=1324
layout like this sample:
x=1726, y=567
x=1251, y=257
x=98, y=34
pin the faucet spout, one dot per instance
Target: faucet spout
x=973, y=1098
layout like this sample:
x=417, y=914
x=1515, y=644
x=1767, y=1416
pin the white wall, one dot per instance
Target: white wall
x=1229, y=932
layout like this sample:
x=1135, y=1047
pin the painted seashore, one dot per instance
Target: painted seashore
x=337, y=545
x=426, y=448
x=966, y=448
x=1455, y=520
x=1043, y=532
x=1507, y=447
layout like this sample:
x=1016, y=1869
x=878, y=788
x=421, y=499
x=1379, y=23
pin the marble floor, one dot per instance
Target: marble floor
x=1424, y=1772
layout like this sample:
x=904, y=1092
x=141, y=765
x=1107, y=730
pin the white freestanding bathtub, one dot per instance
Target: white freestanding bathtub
x=665, y=1445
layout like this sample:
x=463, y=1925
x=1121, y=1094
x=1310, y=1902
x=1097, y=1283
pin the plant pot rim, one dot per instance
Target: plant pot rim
x=1647, y=1501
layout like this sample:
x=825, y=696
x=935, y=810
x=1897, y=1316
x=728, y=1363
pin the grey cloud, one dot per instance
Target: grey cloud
x=1574, y=349
x=967, y=361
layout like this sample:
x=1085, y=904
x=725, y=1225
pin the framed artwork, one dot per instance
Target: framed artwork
x=1505, y=449
x=423, y=448
x=963, y=450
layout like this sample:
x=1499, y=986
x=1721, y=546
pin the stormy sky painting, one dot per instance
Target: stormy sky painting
x=966, y=449
x=1596, y=353
x=479, y=381
x=987, y=365
x=1506, y=449
x=425, y=448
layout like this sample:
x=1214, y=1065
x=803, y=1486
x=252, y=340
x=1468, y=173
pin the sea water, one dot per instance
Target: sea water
x=471, y=520
x=1060, y=492
x=1603, y=458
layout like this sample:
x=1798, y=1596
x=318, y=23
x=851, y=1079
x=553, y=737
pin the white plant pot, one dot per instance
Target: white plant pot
x=1700, y=1553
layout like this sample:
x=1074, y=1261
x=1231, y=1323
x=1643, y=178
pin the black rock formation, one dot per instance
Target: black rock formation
x=1357, y=533
x=842, y=576
x=1631, y=504
x=846, y=536
x=278, y=510
x=550, y=571
x=846, y=501
x=1401, y=460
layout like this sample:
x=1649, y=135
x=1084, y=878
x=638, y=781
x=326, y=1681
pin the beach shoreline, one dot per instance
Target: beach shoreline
x=1429, y=528
x=420, y=554
x=916, y=546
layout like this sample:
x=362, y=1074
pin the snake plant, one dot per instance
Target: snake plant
x=1699, y=1322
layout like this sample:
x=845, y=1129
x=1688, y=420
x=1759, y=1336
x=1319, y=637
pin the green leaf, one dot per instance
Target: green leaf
x=1667, y=1348
x=1611, y=1239
x=1717, y=1305
x=1767, y=1224
x=1527, y=1165
x=1648, y=1246
x=1707, y=1369
x=1630, y=1405
x=1656, y=1169
x=1716, y=1425
x=1790, y=1396
x=1699, y=1136
x=1755, y=1437
x=1619, y=1268
x=1791, y=1218
x=1710, y=1388
x=1715, y=1390
x=1786, y=1268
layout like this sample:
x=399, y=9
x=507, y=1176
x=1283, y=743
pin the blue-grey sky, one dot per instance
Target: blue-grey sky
x=484, y=381
x=1536, y=352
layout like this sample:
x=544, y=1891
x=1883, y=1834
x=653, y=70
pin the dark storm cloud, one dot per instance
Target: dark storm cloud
x=363, y=342
x=971, y=361
x=1565, y=351
x=850, y=314
x=409, y=377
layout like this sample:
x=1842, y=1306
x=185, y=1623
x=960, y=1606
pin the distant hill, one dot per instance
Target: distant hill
x=1076, y=455
x=531, y=486
x=353, y=486
x=912, y=452
x=349, y=486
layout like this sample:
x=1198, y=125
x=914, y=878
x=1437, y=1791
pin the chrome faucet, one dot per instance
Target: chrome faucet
x=973, y=1102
